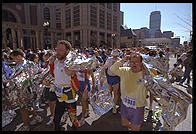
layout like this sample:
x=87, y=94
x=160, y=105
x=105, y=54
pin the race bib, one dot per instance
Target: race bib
x=59, y=90
x=129, y=102
x=64, y=92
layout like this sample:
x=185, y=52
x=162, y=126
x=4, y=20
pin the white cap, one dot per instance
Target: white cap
x=115, y=53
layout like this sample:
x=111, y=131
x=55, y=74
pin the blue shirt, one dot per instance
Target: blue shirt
x=6, y=69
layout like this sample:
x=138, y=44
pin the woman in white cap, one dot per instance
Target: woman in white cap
x=112, y=79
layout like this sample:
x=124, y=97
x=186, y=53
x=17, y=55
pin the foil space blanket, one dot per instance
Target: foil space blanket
x=173, y=101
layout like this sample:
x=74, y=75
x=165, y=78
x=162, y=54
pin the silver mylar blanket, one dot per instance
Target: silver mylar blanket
x=101, y=101
x=77, y=61
x=24, y=75
x=7, y=117
x=173, y=101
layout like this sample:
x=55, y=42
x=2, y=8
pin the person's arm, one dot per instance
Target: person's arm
x=106, y=64
x=69, y=72
x=52, y=59
x=115, y=67
x=93, y=80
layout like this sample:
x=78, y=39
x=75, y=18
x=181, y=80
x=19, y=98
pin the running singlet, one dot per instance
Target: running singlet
x=64, y=84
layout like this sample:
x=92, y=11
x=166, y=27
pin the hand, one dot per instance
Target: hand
x=126, y=58
x=41, y=70
x=52, y=59
x=69, y=72
x=46, y=82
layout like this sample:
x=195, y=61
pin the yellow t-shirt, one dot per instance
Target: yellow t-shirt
x=131, y=85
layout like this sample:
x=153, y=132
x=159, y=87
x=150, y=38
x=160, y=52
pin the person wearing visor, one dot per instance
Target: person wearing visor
x=112, y=79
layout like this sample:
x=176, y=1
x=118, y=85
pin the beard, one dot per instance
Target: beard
x=61, y=57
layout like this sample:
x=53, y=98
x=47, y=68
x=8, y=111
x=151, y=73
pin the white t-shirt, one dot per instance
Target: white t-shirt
x=61, y=76
x=109, y=62
x=62, y=79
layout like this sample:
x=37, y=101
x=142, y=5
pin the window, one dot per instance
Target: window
x=76, y=16
x=46, y=13
x=109, y=21
x=109, y=5
x=115, y=23
x=58, y=18
x=58, y=14
x=68, y=37
x=68, y=18
x=93, y=16
x=115, y=7
x=102, y=4
x=58, y=25
x=101, y=18
x=8, y=16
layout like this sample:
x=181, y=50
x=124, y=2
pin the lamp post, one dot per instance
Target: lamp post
x=139, y=43
x=46, y=25
x=113, y=37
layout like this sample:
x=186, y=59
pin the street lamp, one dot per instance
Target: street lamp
x=46, y=25
x=139, y=43
x=113, y=37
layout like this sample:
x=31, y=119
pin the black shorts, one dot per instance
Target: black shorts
x=48, y=95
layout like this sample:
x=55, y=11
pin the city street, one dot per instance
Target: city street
x=107, y=122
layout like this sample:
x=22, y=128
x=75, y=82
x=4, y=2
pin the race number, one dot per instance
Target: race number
x=129, y=102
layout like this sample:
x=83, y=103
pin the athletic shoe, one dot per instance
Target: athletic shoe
x=114, y=110
x=81, y=122
x=64, y=117
x=50, y=121
x=36, y=120
x=87, y=113
x=24, y=128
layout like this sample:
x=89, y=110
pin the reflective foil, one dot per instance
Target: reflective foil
x=22, y=83
x=173, y=101
x=101, y=101
x=7, y=117
x=78, y=62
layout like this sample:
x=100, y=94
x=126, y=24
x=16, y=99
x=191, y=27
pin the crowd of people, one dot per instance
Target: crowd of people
x=124, y=71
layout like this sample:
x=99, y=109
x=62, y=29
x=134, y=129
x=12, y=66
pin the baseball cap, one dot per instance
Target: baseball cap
x=115, y=53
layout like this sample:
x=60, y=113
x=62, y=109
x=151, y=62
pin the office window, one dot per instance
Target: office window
x=68, y=18
x=109, y=21
x=109, y=5
x=115, y=23
x=58, y=25
x=58, y=14
x=76, y=16
x=46, y=13
x=93, y=16
x=115, y=7
x=101, y=18
x=102, y=4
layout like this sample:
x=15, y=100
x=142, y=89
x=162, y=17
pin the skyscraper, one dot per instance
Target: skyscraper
x=155, y=23
x=121, y=18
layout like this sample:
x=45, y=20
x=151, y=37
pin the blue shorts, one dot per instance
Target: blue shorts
x=83, y=85
x=112, y=80
x=135, y=116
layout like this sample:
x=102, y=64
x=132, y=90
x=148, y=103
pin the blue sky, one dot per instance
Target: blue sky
x=176, y=17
